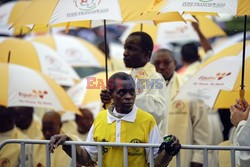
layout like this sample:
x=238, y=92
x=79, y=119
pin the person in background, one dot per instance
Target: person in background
x=51, y=125
x=190, y=57
x=24, y=120
x=80, y=125
x=191, y=126
x=10, y=154
x=150, y=86
x=241, y=120
x=123, y=122
x=84, y=123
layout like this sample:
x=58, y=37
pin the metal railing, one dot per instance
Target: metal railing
x=125, y=146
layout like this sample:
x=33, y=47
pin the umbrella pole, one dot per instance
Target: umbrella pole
x=141, y=27
x=9, y=54
x=242, y=92
x=105, y=50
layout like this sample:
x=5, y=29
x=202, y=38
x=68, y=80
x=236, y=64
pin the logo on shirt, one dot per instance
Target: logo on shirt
x=4, y=162
x=104, y=149
x=178, y=105
x=135, y=151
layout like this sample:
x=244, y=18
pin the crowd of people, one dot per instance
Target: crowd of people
x=139, y=108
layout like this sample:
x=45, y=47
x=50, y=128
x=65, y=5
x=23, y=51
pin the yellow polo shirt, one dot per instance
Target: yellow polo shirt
x=135, y=127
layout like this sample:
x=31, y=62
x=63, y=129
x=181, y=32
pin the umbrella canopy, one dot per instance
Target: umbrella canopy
x=231, y=7
x=52, y=12
x=75, y=51
x=234, y=49
x=216, y=84
x=169, y=32
x=38, y=57
x=21, y=86
x=8, y=13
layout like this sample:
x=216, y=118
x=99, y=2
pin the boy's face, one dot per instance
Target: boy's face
x=124, y=96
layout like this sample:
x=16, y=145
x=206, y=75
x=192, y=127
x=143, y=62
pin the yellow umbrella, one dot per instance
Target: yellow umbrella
x=8, y=13
x=232, y=50
x=52, y=12
x=231, y=7
x=218, y=83
x=21, y=86
x=174, y=31
x=38, y=57
x=75, y=51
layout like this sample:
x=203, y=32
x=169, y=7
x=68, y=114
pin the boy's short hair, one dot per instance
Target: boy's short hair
x=116, y=80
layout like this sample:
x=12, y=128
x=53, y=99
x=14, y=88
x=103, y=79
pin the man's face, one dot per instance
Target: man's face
x=23, y=117
x=134, y=55
x=164, y=64
x=124, y=96
x=50, y=127
x=85, y=121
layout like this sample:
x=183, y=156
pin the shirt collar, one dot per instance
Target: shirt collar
x=130, y=117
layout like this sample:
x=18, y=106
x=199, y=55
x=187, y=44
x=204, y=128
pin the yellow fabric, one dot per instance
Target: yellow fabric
x=34, y=131
x=47, y=40
x=243, y=8
x=103, y=131
x=232, y=50
x=209, y=28
x=18, y=55
x=58, y=159
x=4, y=73
x=38, y=12
x=225, y=156
x=9, y=154
x=192, y=129
x=65, y=100
x=179, y=111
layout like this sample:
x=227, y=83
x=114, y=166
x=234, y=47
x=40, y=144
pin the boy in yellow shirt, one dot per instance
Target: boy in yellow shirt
x=123, y=122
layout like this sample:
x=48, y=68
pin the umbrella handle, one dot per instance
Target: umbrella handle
x=242, y=94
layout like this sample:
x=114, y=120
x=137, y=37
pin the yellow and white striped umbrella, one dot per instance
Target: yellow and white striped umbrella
x=38, y=57
x=75, y=51
x=8, y=13
x=21, y=86
x=169, y=32
x=54, y=12
x=230, y=7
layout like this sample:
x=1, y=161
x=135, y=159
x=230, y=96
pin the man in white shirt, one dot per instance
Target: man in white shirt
x=151, y=89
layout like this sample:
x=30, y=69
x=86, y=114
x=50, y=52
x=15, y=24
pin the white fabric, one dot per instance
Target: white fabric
x=154, y=101
x=241, y=138
x=221, y=6
x=75, y=10
x=74, y=51
x=5, y=11
x=206, y=84
x=24, y=90
x=54, y=66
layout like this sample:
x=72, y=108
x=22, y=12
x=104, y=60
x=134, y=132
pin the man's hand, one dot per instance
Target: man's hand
x=196, y=164
x=105, y=96
x=171, y=145
x=238, y=113
x=57, y=140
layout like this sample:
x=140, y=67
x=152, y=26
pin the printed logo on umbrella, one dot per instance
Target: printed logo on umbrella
x=73, y=53
x=86, y=5
x=218, y=76
x=34, y=94
x=52, y=62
